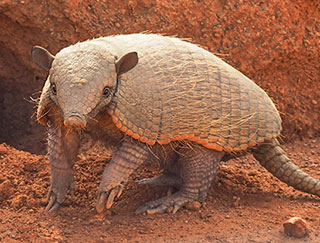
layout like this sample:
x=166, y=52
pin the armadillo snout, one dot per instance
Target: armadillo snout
x=75, y=121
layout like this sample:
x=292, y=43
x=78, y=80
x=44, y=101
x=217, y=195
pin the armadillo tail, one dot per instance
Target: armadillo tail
x=272, y=157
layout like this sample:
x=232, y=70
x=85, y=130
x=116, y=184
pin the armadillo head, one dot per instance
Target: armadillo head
x=82, y=81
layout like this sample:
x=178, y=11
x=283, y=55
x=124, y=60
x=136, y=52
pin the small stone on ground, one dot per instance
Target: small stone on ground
x=295, y=227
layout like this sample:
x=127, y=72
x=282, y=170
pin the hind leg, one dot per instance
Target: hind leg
x=171, y=173
x=197, y=170
x=166, y=179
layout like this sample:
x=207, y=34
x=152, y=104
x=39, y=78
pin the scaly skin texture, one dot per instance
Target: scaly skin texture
x=197, y=168
x=127, y=159
x=63, y=147
x=159, y=99
x=235, y=113
x=272, y=157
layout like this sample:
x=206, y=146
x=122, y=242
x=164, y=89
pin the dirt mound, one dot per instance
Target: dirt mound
x=245, y=203
x=276, y=43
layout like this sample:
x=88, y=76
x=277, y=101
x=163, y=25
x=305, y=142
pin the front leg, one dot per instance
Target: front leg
x=130, y=155
x=63, y=147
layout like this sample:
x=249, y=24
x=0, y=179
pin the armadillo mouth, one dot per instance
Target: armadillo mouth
x=75, y=121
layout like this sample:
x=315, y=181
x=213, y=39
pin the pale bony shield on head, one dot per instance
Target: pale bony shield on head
x=79, y=78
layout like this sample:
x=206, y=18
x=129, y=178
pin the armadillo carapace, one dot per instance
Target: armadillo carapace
x=156, y=98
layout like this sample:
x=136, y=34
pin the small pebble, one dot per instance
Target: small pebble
x=295, y=227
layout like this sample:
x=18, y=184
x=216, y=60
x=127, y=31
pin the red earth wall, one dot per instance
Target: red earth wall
x=275, y=43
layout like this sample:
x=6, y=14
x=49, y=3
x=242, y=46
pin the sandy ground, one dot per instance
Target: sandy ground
x=245, y=203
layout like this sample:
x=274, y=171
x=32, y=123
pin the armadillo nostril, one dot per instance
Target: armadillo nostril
x=75, y=121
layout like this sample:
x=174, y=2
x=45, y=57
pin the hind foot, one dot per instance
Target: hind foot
x=167, y=204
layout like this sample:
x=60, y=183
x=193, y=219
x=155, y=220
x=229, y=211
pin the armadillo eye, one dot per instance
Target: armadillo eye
x=53, y=88
x=106, y=91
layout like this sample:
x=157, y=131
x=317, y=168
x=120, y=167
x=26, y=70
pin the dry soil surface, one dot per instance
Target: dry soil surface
x=245, y=203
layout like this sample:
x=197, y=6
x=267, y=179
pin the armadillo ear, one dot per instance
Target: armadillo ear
x=42, y=57
x=127, y=62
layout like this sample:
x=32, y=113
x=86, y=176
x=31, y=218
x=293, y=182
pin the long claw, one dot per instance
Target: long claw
x=52, y=200
x=157, y=210
x=147, y=209
x=114, y=193
x=169, y=204
x=175, y=208
x=106, y=199
x=53, y=205
x=141, y=209
x=110, y=199
x=120, y=190
x=55, y=208
x=49, y=195
x=101, y=203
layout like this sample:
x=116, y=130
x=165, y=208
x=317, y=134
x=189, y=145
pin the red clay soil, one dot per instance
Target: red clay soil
x=245, y=203
x=275, y=43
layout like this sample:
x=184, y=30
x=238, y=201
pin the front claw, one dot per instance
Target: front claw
x=106, y=199
x=61, y=184
x=53, y=204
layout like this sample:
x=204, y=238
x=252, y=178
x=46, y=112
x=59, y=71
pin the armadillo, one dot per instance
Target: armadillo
x=161, y=99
